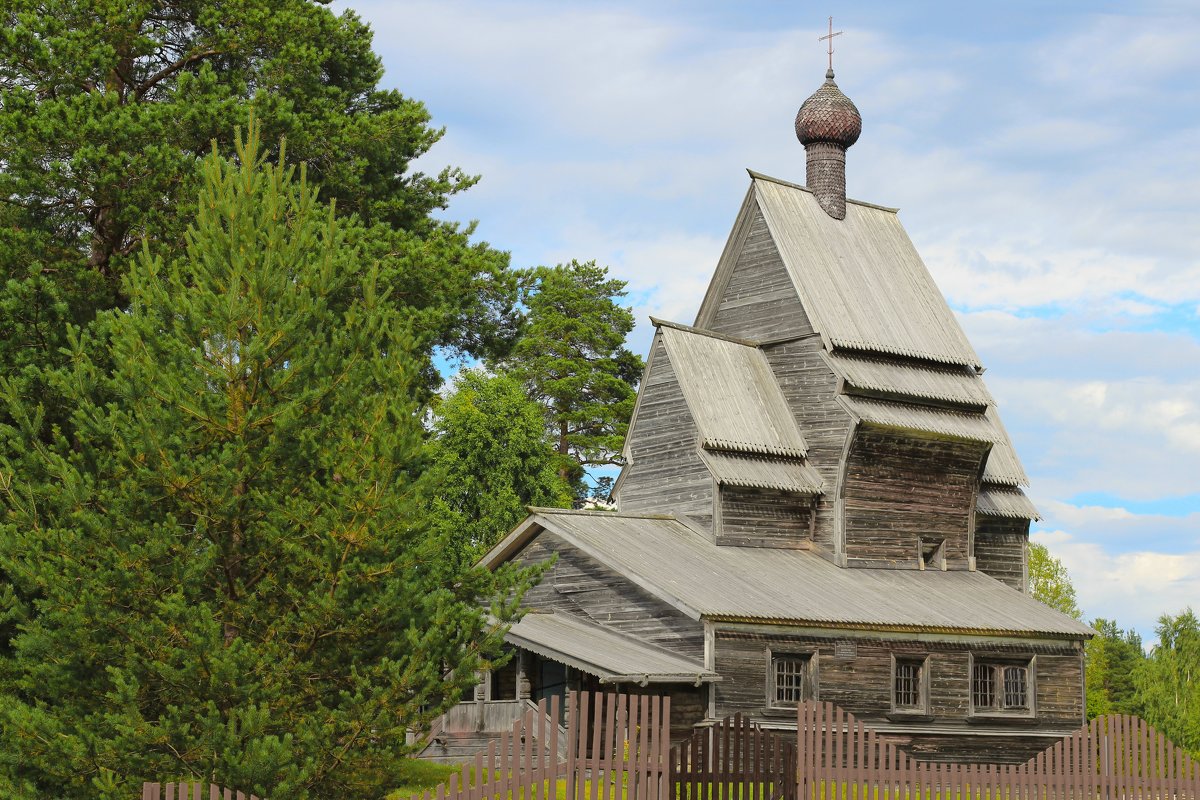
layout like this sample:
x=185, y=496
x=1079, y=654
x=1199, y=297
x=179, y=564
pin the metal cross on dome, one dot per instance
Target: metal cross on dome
x=829, y=37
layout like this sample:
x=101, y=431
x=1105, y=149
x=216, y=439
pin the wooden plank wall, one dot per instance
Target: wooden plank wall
x=667, y=475
x=763, y=518
x=1000, y=548
x=759, y=302
x=580, y=585
x=809, y=386
x=839, y=758
x=900, y=487
x=862, y=683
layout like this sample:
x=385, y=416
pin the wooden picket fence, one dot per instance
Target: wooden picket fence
x=617, y=746
x=734, y=760
x=1115, y=757
x=190, y=791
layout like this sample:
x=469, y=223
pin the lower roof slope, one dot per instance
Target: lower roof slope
x=687, y=569
x=610, y=655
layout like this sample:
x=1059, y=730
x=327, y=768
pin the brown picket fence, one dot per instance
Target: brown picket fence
x=617, y=746
x=1115, y=757
x=734, y=759
x=191, y=791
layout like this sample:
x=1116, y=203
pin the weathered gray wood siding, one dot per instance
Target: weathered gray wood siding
x=578, y=584
x=809, y=386
x=688, y=705
x=759, y=301
x=1000, y=548
x=667, y=475
x=862, y=684
x=901, y=487
x=763, y=518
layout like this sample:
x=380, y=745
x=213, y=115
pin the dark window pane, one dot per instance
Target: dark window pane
x=908, y=684
x=983, y=686
x=1016, y=687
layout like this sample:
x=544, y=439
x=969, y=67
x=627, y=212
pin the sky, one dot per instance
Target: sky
x=1045, y=159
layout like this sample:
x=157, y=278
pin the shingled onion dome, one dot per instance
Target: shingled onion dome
x=826, y=124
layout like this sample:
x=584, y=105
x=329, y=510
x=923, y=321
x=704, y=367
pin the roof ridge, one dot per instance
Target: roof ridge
x=679, y=326
x=584, y=512
x=790, y=184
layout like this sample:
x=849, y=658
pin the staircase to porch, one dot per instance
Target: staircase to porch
x=466, y=729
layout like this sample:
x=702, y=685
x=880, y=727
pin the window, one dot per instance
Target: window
x=908, y=684
x=791, y=680
x=1001, y=687
x=932, y=553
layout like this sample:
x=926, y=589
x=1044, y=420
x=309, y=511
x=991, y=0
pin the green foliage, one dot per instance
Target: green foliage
x=1050, y=583
x=221, y=569
x=491, y=460
x=1112, y=658
x=107, y=106
x=1168, y=683
x=571, y=357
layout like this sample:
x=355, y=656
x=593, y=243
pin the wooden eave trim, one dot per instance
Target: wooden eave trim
x=728, y=260
x=832, y=628
x=626, y=448
x=634, y=578
x=506, y=547
x=679, y=326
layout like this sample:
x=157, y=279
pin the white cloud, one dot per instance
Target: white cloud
x=1134, y=588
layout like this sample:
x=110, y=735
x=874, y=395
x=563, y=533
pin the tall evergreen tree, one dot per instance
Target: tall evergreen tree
x=491, y=460
x=1113, y=656
x=572, y=358
x=107, y=106
x=221, y=569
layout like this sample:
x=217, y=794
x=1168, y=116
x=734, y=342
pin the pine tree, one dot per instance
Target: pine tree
x=107, y=107
x=572, y=358
x=220, y=568
x=1113, y=656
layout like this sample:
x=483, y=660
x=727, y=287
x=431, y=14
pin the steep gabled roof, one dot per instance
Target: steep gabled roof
x=690, y=571
x=732, y=394
x=860, y=280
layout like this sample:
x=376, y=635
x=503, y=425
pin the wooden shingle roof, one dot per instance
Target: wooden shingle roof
x=687, y=569
x=732, y=394
x=860, y=280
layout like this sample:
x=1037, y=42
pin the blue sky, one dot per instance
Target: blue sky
x=1045, y=158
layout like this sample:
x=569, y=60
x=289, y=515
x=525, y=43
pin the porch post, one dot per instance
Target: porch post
x=523, y=685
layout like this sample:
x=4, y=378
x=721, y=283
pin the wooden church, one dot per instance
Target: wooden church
x=819, y=501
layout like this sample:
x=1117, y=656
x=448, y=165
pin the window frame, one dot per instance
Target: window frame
x=808, y=689
x=997, y=663
x=921, y=660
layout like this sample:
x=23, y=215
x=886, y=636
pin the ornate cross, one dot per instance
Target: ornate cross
x=829, y=37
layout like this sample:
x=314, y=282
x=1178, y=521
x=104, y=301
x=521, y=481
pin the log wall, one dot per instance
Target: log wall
x=1000, y=549
x=763, y=518
x=856, y=674
x=901, y=487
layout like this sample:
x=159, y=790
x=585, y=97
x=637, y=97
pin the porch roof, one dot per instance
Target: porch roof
x=610, y=655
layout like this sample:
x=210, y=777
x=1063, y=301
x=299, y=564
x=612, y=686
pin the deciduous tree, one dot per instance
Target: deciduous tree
x=1168, y=683
x=490, y=460
x=1050, y=583
x=221, y=567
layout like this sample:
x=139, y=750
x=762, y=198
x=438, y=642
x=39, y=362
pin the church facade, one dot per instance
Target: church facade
x=819, y=501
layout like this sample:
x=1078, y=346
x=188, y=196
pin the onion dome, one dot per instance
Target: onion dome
x=828, y=116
